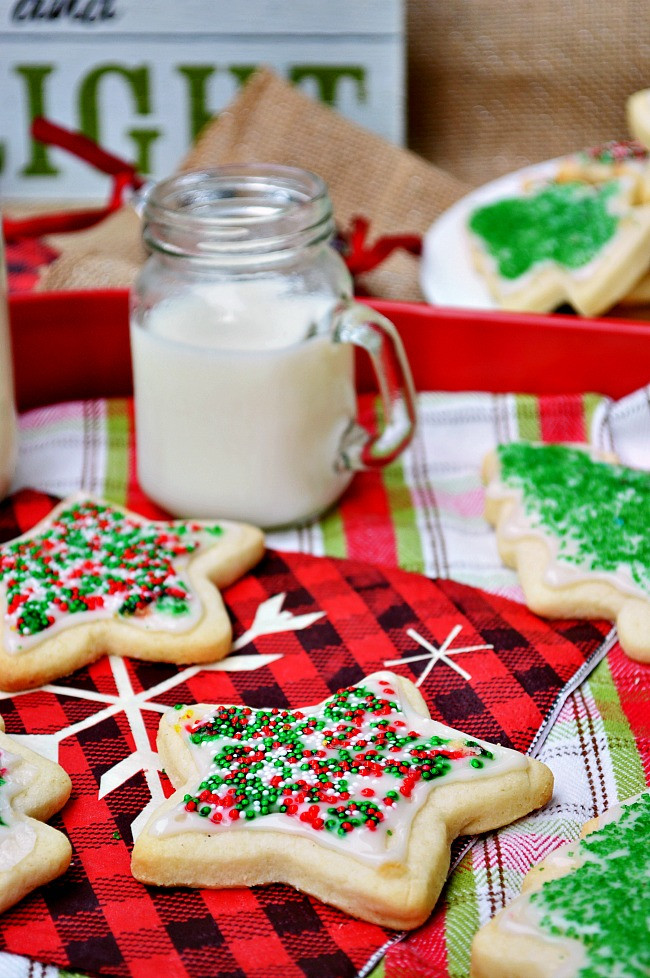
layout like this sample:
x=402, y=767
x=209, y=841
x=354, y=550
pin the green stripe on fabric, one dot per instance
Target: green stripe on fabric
x=626, y=760
x=410, y=555
x=379, y=971
x=461, y=918
x=334, y=541
x=590, y=402
x=408, y=544
x=117, y=451
x=527, y=414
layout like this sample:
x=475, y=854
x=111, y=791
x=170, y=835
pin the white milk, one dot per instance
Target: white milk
x=240, y=409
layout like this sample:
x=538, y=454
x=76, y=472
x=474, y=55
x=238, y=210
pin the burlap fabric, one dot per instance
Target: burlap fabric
x=106, y=256
x=271, y=121
x=496, y=85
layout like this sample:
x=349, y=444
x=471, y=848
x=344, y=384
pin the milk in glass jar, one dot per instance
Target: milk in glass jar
x=243, y=332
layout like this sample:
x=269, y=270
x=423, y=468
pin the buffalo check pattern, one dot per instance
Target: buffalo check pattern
x=563, y=690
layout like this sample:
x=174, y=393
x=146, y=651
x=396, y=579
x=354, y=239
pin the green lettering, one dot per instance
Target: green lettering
x=327, y=78
x=144, y=140
x=88, y=100
x=39, y=164
x=241, y=73
x=197, y=78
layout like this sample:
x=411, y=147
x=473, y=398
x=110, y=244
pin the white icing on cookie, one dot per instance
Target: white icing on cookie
x=350, y=773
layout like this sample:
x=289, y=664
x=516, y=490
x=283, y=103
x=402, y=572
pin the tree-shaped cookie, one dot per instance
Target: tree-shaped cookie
x=563, y=241
x=93, y=579
x=583, y=912
x=355, y=800
x=575, y=527
x=32, y=789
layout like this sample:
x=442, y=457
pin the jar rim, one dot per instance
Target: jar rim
x=244, y=208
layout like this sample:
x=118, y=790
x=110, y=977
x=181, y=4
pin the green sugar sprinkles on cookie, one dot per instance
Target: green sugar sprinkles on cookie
x=575, y=528
x=584, y=911
x=575, y=241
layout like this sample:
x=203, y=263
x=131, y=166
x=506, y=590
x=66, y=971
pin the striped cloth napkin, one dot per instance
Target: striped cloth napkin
x=424, y=514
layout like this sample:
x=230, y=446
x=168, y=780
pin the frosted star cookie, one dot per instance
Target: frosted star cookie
x=575, y=527
x=93, y=579
x=355, y=800
x=583, y=912
x=583, y=242
x=32, y=789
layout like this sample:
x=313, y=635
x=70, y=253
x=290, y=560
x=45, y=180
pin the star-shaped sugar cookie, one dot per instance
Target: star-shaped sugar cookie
x=583, y=911
x=355, y=800
x=32, y=789
x=575, y=527
x=93, y=579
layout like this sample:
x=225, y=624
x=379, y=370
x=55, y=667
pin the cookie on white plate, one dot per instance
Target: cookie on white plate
x=565, y=240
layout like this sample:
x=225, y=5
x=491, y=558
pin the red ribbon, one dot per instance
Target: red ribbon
x=123, y=173
x=359, y=257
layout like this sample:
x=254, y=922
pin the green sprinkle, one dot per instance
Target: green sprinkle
x=566, y=223
x=598, y=514
x=605, y=902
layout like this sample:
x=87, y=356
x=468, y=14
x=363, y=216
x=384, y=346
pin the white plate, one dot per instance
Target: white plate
x=447, y=275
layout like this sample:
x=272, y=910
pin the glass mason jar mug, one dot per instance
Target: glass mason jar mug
x=243, y=331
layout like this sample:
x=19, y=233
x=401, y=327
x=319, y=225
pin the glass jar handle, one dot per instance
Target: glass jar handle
x=363, y=327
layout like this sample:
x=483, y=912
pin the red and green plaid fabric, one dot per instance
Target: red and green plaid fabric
x=24, y=259
x=97, y=918
x=423, y=514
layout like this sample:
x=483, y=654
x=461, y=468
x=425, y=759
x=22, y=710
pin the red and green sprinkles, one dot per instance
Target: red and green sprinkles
x=605, y=902
x=616, y=151
x=94, y=558
x=598, y=514
x=342, y=767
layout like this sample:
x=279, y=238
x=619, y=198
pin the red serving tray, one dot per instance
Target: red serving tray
x=75, y=345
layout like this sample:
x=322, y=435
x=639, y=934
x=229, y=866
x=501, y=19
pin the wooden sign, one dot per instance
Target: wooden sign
x=142, y=77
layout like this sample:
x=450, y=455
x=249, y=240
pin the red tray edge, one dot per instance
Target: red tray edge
x=75, y=345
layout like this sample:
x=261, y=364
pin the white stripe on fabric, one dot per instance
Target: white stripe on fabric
x=442, y=471
x=624, y=428
x=63, y=448
x=14, y=966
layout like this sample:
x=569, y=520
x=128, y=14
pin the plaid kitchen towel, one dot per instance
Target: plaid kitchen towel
x=423, y=514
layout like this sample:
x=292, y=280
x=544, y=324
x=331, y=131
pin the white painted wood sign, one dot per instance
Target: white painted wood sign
x=141, y=77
